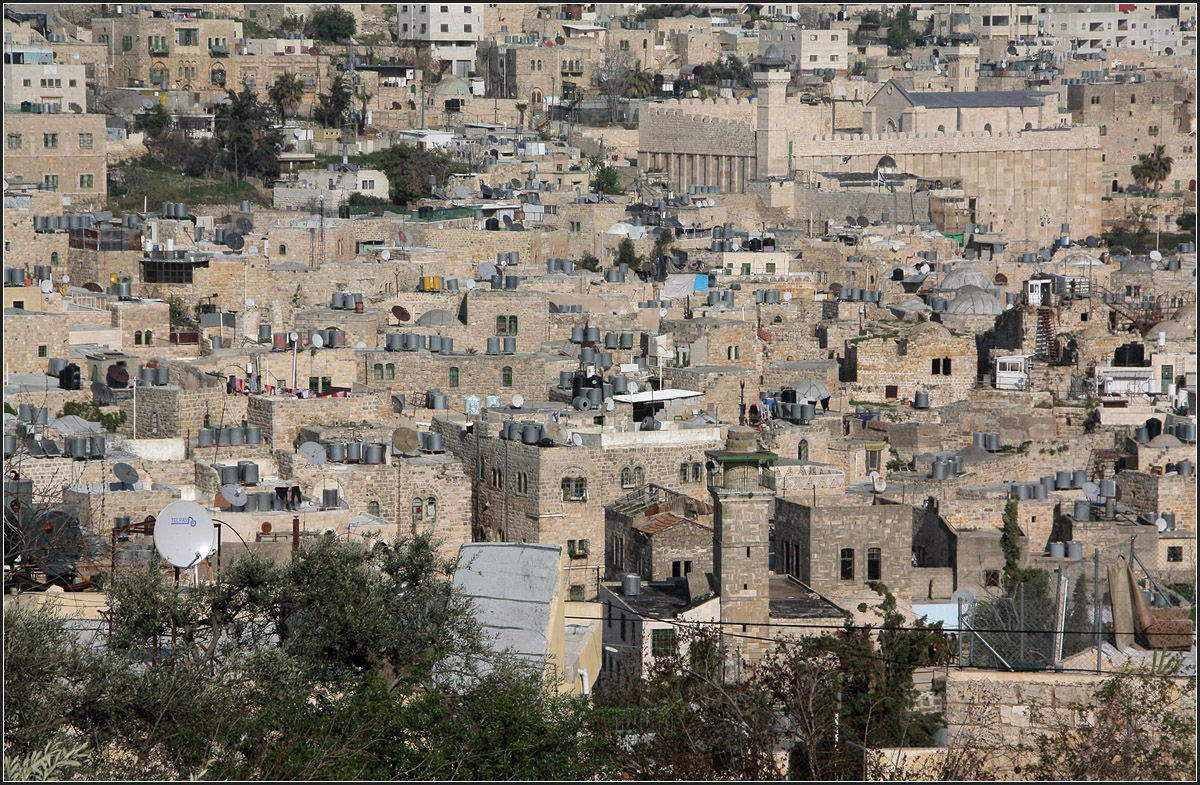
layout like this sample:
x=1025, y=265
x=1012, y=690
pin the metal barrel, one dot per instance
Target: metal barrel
x=354, y=452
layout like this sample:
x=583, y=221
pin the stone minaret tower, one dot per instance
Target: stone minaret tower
x=771, y=78
x=962, y=67
x=743, y=490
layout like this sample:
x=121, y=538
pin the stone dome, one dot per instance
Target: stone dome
x=1175, y=331
x=930, y=330
x=1164, y=440
x=1135, y=266
x=450, y=86
x=438, y=317
x=966, y=276
x=975, y=304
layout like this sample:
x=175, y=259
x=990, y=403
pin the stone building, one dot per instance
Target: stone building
x=155, y=48
x=67, y=155
x=657, y=534
x=930, y=358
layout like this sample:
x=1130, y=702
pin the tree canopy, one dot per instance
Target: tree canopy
x=246, y=132
x=331, y=107
x=330, y=23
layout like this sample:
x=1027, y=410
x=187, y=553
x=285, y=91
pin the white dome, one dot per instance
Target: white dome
x=966, y=276
x=975, y=304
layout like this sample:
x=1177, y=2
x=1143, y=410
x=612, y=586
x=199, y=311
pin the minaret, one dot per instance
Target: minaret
x=743, y=490
x=771, y=78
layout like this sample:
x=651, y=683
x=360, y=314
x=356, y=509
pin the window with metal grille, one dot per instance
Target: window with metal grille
x=874, y=564
x=574, y=489
x=373, y=508
x=418, y=510
x=506, y=376
x=662, y=642
x=453, y=376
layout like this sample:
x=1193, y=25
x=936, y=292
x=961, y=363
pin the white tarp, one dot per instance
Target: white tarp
x=678, y=286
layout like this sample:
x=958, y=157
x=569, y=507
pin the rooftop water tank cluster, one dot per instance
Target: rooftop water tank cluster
x=154, y=377
x=356, y=452
x=347, y=301
x=223, y=435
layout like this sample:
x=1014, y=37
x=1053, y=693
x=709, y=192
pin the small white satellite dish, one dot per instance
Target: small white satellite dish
x=184, y=534
x=632, y=387
x=234, y=494
x=47, y=287
x=385, y=254
x=317, y=340
x=609, y=404
x=249, y=302
x=1161, y=524
x=469, y=283
x=695, y=94
x=518, y=401
x=293, y=337
x=66, y=279
x=787, y=297
x=360, y=345
x=662, y=311
x=249, y=367
x=576, y=440
x=878, y=483
x=1155, y=256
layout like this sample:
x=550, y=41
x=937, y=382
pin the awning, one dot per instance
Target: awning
x=655, y=396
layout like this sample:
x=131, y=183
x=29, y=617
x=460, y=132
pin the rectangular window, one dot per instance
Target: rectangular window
x=453, y=376
x=936, y=369
x=87, y=181
x=847, y=564
x=43, y=350
x=873, y=460
x=662, y=642
x=187, y=37
x=14, y=141
x=891, y=391
x=127, y=42
x=466, y=28
x=991, y=578
x=50, y=179
x=445, y=28
x=1174, y=552
x=50, y=141
x=874, y=564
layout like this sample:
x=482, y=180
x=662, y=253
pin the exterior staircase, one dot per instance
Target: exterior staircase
x=1047, y=343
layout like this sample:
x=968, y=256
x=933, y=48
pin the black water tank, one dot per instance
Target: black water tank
x=1154, y=426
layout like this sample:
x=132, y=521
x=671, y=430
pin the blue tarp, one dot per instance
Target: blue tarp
x=701, y=283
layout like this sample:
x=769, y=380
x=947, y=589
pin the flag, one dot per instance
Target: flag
x=845, y=159
x=880, y=180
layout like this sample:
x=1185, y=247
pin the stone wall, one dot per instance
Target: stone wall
x=281, y=416
x=30, y=334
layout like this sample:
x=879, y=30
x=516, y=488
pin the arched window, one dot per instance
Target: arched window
x=945, y=366
x=802, y=450
x=431, y=509
x=874, y=564
x=512, y=325
x=149, y=337
x=626, y=477
x=683, y=472
x=574, y=489
x=501, y=325
x=1028, y=127
x=95, y=373
x=54, y=258
x=378, y=371
x=390, y=370
x=282, y=249
x=418, y=510
x=987, y=128
x=1133, y=98
x=453, y=375
x=506, y=376
x=941, y=129
x=891, y=126
x=697, y=472
x=638, y=476
x=137, y=338
x=373, y=508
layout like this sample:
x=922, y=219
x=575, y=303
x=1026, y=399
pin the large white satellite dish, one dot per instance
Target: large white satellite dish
x=184, y=534
x=317, y=340
x=385, y=254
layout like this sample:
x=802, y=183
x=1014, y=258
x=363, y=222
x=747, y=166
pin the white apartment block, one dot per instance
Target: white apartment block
x=453, y=30
x=807, y=50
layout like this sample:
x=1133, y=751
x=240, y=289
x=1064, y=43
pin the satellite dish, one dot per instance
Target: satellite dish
x=317, y=340
x=878, y=483
x=147, y=103
x=1155, y=256
x=576, y=440
x=234, y=494
x=508, y=221
x=1092, y=491
x=249, y=302
x=662, y=311
x=385, y=254
x=632, y=387
x=557, y=431
x=925, y=268
x=102, y=394
x=92, y=286
x=405, y=440
x=1012, y=50
x=787, y=297
x=244, y=225
x=461, y=191
x=609, y=404
x=360, y=345
x=862, y=222
x=515, y=183
x=66, y=279
x=695, y=94
x=235, y=241
x=126, y=473
x=401, y=313
x=47, y=287
x=1091, y=241
x=486, y=270
x=1161, y=524
x=518, y=401
x=314, y=453
x=184, y=534
x=469, y=283
x=118, y=375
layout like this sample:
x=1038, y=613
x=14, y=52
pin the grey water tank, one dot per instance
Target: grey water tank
x=1083, y=510
x=236, y=435
x=162, y=376
x=979, y=439
x=592, y=334
x=808, y=411
x=434, y=442
x=958, y=464
x=631, y=585
x=392, y=342
x=222, y=435
x=205, y=437
x=1108, y=489
x=447, y=345
x=587, y=355
x=253, y=434
x=595, y=396
x=329, y=498
x=229, y=474
x=606, y=359
x=145, y=376
x=1039, y=490
x=1185, y=468
x=1074, y=550
x=1058, y=550
x=25, y=412
x=993, y=442
x=1022, y=491
x=1062, y=480
x=921, y=400
x=1047, y=481
x=1169, y=517
x=1078, y=478
x=510, y=346
x=611, y=340
x=626, y=340
x=435, y=343
x=620, y=385
x=96, y=447
x=264, y=333
x=493, y=346
x=1141, y=435
x=10, y=443
x=578, y=335
x=531, y=433
x=564, y=379
x=249, y=472
x=437, y=401
x=373, y=453
x=940, y=470
x=77, y=446
x=354, y=452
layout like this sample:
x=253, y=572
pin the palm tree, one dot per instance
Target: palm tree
x=641, y=83
x=521, y=111
x=286, y=93
x=364, y=98
x=1160, y=166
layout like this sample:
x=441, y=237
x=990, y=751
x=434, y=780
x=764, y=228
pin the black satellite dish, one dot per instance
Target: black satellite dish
x=863, y=222
x=849, y=220
x=102, y=394
x=508, y=221
x=486, y=191
x=118, y=377
x=93, y=287
x=1012, y=50
x=244, y=225
x=1091, y=242
x=401, y=313
x=235, y=241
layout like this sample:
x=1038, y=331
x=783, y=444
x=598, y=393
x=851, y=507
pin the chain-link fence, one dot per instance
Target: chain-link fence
x=1053, y=616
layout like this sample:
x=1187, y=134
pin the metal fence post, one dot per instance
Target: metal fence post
x=1096, y=599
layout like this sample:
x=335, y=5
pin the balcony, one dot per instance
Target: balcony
x=743, y=479
x=218, y=50
x=159, y=49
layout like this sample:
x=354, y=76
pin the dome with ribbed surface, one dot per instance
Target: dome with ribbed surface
x=975, y=304
x=966, y=276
